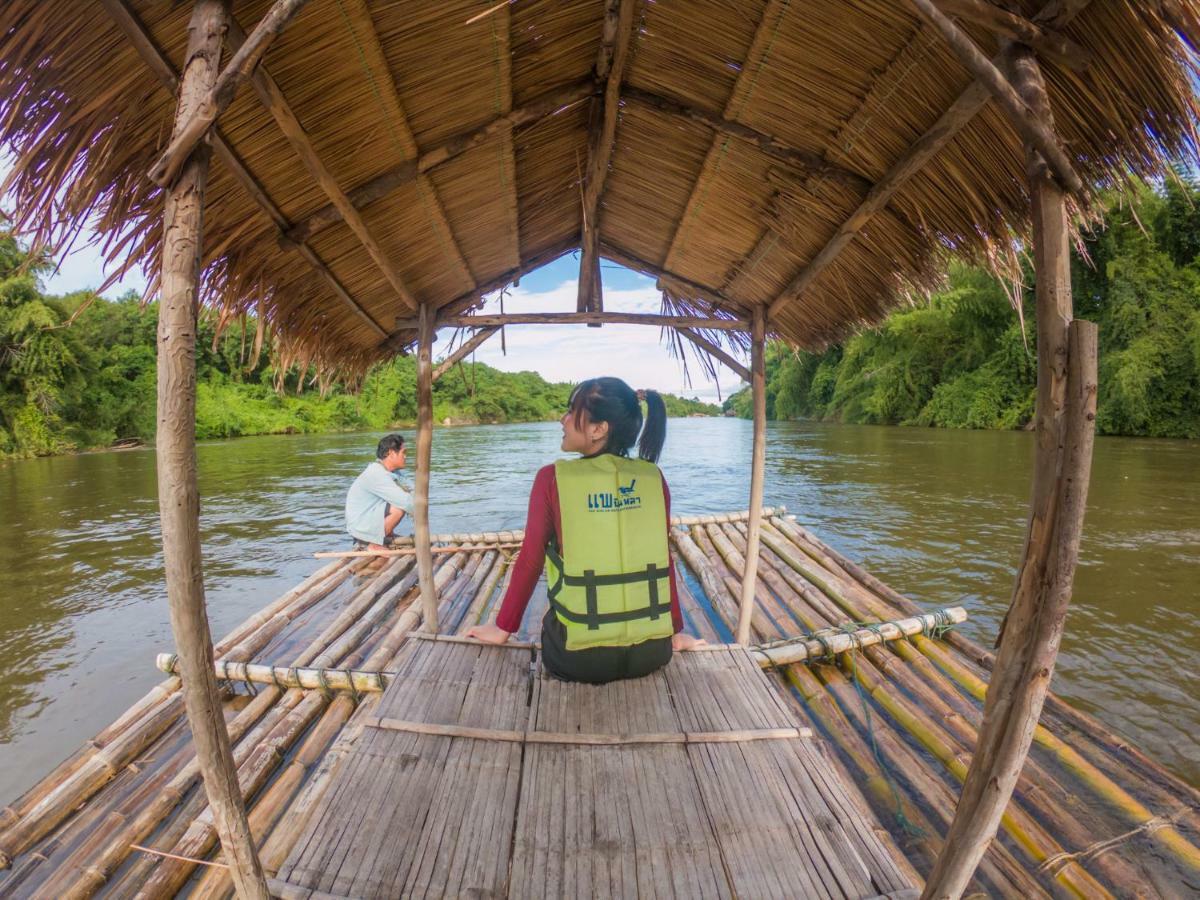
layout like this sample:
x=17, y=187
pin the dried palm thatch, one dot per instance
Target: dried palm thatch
x=748, y=134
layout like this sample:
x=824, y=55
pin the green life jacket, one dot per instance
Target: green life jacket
x=610, y=587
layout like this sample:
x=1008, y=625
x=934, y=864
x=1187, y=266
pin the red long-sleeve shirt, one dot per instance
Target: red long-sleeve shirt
x=544, y=520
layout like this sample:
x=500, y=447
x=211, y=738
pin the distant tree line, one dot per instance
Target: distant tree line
x=92, y=382
x=961, y=360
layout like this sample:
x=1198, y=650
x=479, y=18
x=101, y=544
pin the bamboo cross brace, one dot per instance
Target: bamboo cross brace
x=1033, y=129
x=468, y=347
x=804, y=649
x=960, y=114
x=487, y=320
x=610, y=69
x=713, y=350
x=245, y=59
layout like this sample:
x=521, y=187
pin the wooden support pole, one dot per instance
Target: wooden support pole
x=1047, y=42
x=1065, y=427
x=276, y=104
x=425, y=332
x=178, y=493
x=1056, y=13
x=610, y=69
x=467, y=348
x=247, y=57
x=713, y=350
x=1029, y=125
x=487, y=320
x=758, y=384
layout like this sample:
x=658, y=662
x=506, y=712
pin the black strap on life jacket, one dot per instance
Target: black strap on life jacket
x=590, y=581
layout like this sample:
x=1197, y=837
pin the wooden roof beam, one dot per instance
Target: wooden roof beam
x=743, y=86
x=508, y=153
x=276, y=104
x=244, y=60
x=490, y=320
x=1035, y=132
x=373, y=50
x=672, y=279
x=137, y=35
x=717, y=352
x=545, y=106
x=1056, y=13
x=1049, y=43
x=610, y=69
x=806, y=160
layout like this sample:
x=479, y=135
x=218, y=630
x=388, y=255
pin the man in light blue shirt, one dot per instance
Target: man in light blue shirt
x=377, y=501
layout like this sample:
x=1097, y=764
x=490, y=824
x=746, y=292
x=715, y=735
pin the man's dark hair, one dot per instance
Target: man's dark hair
x=388, y=443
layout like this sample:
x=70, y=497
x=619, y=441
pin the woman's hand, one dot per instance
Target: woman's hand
x=489, y=633
x=681, y=641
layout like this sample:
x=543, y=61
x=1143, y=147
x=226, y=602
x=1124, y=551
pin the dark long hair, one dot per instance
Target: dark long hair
x=611, y=400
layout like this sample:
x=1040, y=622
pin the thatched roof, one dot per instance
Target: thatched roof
x=748, y=134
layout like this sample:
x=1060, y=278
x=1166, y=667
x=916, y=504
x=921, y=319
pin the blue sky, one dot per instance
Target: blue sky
x=557, y=352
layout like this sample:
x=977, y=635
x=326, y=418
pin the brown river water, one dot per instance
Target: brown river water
x=939, y=515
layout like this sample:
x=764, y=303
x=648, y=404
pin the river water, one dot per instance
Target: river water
x=939, y=515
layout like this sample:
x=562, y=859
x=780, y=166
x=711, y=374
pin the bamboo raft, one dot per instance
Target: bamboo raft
x=126, y=815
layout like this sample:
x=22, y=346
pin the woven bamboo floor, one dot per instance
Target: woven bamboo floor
x=1092, y=815
x=481, y=776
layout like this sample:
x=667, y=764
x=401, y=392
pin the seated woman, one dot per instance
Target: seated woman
x=601, y=522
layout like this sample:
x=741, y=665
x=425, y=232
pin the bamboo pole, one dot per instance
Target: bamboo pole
x=218, y=98
x=409, y=551
x=179, y=497
x=803, y=649
x=758, y=464
x=1049, y=43
x=425, y=330
x=1032, y=630
x=717, y=352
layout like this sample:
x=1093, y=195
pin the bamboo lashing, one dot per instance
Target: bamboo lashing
x=805, y=648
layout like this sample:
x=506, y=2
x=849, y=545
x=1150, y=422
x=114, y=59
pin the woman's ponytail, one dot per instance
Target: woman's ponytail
x=654, y=432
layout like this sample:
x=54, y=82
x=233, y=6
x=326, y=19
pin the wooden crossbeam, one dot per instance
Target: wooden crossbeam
x=394, y=109
x=1057, y=14
x=468, y=347
x=742, y=88
x=713, y=350
x=1034, y=130
x=166, y=169
x=610, y=69
x=673, y=280
x=1047, y=42
x=769, y=144
x=137, y=35
x=276, y=104
x=488, y=320
x=545, y=106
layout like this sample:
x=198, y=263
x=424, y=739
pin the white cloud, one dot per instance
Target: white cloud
x=572, y=353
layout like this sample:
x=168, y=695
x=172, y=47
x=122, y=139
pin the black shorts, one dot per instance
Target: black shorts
x=598, y=665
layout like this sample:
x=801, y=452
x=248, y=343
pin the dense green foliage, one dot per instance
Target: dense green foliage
x=962, y=361
x=89, y=383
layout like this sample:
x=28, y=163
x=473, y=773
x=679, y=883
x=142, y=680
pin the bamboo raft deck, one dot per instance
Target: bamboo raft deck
x=125, y=815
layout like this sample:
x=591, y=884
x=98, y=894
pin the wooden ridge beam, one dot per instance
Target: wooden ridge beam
x=502, y=23
x=772, y=146
x=1032, y=129
x=488, y=320
x=545, y=106
x=610, y=69
x=969, y=104
x=715, y=351
x=467, y=348
x=276, y=104
x=390, y=98
x=244, y=60
x=1047, y=42
x=137, y=35
x=743, y=86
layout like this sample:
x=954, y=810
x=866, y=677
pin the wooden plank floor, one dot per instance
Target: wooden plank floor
x=562, y=793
